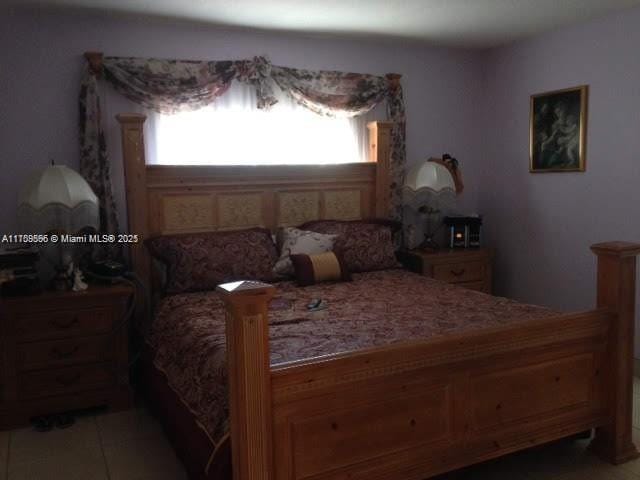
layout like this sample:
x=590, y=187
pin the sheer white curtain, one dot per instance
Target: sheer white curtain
x=233, y=131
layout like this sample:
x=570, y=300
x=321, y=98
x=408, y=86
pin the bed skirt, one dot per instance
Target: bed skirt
x=190, y=442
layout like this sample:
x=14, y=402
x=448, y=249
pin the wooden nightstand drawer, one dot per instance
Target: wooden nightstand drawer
x=61, y=352
x=56, y=353
x=478, y=286
x=468, y=268
x=459, y=272
x=63, y=323
x=66, y=380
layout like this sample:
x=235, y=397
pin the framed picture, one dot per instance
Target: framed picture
x=558, y=130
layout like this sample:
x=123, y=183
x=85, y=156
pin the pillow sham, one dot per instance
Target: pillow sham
x=294, y=241
x=200, y=261
x=321, y=267
x=364, y=246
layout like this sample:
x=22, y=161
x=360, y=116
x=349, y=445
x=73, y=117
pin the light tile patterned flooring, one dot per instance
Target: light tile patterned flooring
x=118, y=446
x=131, y=446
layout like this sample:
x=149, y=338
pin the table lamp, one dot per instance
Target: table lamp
x=57, y=200
x=429, y=188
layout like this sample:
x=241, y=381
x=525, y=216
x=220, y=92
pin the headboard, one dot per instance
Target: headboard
x=168, y=199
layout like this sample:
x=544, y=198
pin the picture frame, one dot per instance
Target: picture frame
x=558, y=130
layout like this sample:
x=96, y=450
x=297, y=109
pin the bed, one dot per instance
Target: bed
x=393, y=392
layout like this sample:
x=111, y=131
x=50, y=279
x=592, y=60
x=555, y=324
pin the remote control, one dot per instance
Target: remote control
x=321, y=305
x=314, y=303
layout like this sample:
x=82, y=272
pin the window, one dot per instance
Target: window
x=233, y=131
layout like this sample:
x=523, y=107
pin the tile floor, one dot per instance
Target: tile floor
x=131, y=446
x=118, y=446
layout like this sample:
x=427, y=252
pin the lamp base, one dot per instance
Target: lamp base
x=429, y=245
x=61, y=282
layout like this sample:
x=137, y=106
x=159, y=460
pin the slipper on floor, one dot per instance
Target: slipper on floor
x=64, y=420
x=42, y=424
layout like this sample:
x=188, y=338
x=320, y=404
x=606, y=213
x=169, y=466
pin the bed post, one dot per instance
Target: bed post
x=617, y=291
x=131, y=129
x=248, y=364
x=380, y=153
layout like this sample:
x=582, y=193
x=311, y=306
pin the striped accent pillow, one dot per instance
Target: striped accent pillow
x=321, y=267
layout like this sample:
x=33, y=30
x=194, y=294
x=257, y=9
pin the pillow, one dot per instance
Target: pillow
x=364, y=246
x=321, y=267
x=293, y=241
x=200, y=261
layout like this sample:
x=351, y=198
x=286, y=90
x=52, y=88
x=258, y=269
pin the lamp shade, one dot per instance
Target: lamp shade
x=430, y=176
x=57, y=199
x=429, y=183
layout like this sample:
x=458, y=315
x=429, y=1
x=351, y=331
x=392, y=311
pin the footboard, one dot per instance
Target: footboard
x=414, y=410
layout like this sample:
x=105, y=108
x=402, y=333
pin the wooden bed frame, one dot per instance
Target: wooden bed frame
x=401, y=412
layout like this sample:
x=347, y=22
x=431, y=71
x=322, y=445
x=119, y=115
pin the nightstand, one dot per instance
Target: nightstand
x=469, y=268
x=63, y=351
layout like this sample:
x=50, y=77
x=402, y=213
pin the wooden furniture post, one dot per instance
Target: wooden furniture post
x=617, y=291
x=132, y=132
x=380, y=153
x=248, y=364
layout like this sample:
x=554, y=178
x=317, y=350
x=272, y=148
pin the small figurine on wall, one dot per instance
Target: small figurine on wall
x=452, y=165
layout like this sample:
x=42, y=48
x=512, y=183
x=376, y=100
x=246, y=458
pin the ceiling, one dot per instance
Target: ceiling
x=465, y=23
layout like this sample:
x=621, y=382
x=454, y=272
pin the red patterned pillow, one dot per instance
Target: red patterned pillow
x=364, y=246
x=200, y=261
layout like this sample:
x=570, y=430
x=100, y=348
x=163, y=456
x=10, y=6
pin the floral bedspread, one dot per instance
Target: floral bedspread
x=377, y=308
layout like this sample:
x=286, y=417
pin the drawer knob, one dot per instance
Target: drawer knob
x=57, y=353
x=68, y=380
x=458, y=273
x=64, y=325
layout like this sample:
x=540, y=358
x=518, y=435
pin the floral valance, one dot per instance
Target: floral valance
x=170, y=86
x=332, y=93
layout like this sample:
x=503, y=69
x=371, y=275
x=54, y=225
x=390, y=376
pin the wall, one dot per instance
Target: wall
x=474, y=104
x=41, y=62
x=543, y=224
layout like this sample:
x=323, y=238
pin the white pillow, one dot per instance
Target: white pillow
x=296, y=241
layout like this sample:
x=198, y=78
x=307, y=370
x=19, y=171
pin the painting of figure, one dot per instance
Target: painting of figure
x=558, y=125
